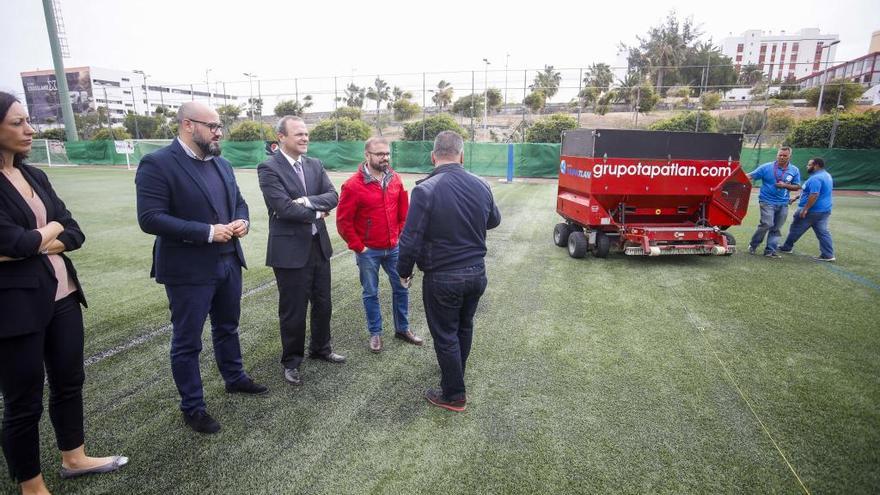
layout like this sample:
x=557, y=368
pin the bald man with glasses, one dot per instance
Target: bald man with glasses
x=188, y=198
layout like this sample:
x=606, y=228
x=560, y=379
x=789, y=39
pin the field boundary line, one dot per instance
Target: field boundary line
x=148, y=336
x=739, y=390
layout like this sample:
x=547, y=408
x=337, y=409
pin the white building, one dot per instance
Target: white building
x=781, y=56
x=118, y=91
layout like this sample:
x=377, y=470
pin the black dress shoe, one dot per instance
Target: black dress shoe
x=292, y=376
x=246, y=386
x=331, y=357
x=201, y=422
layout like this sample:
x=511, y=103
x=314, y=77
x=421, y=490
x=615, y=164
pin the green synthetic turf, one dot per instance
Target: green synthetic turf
x=627, y=375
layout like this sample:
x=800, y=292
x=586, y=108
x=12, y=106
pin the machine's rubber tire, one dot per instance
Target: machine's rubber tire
x=577, y=245
x=603, y=245
x=731, y=241
x=560, y=234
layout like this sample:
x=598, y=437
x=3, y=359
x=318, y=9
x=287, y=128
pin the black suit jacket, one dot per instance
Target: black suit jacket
x=290, y=224
x=173, y=203
x=28, y=285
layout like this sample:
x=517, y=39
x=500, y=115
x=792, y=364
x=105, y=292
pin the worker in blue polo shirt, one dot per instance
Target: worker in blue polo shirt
x=814, y=210
x=778, y=179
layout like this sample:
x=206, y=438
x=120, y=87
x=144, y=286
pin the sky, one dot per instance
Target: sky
x=176, y=42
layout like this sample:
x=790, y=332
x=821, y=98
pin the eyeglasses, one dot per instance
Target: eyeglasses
x=380, y=155
x=212, y=126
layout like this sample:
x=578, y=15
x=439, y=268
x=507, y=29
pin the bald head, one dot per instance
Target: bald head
x=199, y=127
x=194, y=110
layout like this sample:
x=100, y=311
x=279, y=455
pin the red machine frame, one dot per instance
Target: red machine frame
x=649, y=206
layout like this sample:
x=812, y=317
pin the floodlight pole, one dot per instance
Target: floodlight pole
x=824, y=77
x=486, y=95
x=146, y=90
x=60, y=76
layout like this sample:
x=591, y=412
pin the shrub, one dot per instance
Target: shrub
x=349, y=112
x=57, y=134
x=847, y=90
x=405, y=110
x=349, y=130
x=687, y=121
x=854, y=131
x=710, y=100
x=104, y=134
x=465, y=104
x=549, y=129
x=648, y=98
x=752, y=124
x=780, y=122
x=433, y=125
x=535, y=101
x=250, y=131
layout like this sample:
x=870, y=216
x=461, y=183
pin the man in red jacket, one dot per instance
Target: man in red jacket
x=371, y=213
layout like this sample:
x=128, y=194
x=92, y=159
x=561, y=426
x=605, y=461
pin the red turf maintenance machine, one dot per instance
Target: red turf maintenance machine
x=649, y=192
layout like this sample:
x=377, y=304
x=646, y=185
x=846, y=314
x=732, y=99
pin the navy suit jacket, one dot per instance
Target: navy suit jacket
x=290, y=224
x=28, y=284
x=173, y=204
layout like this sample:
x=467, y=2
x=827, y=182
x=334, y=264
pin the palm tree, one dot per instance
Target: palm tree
x=599, y=76
x=354, y=96
x=442, y=95
x=398, y=94
x=379, y=92
x=547, y=81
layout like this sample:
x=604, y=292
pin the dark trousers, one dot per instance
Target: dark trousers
x=59, y=347
x=190, y=307
x=297, y=287
x=451, y=299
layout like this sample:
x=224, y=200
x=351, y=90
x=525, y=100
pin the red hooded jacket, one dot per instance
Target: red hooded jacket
x=371, y=213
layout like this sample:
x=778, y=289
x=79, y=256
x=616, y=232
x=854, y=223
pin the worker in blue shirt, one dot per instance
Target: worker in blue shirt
x=778, y=179
x=814, y=210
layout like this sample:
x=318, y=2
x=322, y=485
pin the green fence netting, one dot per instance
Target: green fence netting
x=852, y=169
x=857, y=170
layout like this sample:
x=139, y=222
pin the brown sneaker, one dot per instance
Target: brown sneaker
x=435, y=397
x=376, y=343
x=409, y=337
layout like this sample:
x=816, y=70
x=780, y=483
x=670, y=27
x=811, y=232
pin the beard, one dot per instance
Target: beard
x=379, y=167
x=209, y=148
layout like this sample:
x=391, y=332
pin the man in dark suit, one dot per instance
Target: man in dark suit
x=445, y=235
x=299, y=196
x=188, y=198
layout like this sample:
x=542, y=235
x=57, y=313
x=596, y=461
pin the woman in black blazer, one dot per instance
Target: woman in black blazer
x=41, y=323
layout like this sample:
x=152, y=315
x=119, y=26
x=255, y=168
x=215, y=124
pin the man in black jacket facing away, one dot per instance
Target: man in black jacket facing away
x=445, y=234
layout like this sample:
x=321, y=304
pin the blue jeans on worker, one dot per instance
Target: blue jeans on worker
x=772, y=220
x=451, y=299
x=369, y=263
x=819, y=222
x=190, y=306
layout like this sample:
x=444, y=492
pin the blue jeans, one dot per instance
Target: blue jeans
x=368, y=263
x=772, y=220
x=451, y=299
x=819, y=222
x=190, y=306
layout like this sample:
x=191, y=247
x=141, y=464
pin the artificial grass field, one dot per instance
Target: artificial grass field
x=626, y=375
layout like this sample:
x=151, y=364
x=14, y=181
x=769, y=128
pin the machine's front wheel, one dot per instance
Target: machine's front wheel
x=577, y=245
x=603, y=245
x=560, y=234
